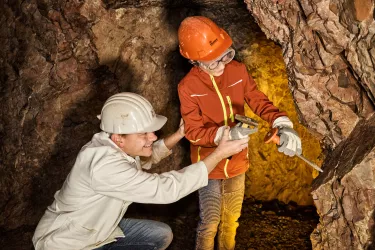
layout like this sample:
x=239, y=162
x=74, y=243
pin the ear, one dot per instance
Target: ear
x=117, y=139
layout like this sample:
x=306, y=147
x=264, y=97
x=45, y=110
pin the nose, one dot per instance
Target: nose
x=151, y=136
x=220, y=66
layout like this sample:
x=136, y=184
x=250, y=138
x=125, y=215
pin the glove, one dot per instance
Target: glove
x=238, y=132
x=282, y=121
x=290, y=143
x=235, y=133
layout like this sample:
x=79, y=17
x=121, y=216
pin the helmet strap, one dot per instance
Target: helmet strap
x=195, y=63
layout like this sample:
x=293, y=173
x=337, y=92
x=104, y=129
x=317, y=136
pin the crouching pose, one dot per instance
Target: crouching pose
x=88, y=211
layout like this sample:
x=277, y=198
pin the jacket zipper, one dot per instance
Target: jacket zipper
x=230, y=108
x=221, y=100
x=225, y=169
x=225, y=117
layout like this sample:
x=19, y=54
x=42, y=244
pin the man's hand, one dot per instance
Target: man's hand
x=171, y=140
x=181, y=128
x=228, y=147
x=225, y=149
x=235, y=133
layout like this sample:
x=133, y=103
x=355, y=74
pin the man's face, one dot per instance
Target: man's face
x=138, y=144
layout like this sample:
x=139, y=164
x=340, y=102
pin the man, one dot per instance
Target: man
x=211, y=94
x=107, y=177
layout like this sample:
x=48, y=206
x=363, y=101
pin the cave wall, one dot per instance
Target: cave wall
x=51, y=89
x=61, y=60
x=328, y=49
x=344, y=194
x=273, y=175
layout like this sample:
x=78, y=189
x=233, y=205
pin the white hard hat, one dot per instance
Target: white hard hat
x=129, y=113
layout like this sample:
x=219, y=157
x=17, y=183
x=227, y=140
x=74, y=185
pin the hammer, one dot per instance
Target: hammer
x=253, y=124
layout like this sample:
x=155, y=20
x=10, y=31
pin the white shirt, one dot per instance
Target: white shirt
x=103, y=182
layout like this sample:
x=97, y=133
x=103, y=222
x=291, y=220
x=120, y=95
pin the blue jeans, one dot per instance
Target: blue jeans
x=220, y=204
x=141, y=235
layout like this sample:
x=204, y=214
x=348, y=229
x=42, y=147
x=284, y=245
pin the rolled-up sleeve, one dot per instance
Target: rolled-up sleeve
x=159, y=152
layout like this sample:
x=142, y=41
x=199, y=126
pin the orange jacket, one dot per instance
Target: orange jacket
x=207, y=105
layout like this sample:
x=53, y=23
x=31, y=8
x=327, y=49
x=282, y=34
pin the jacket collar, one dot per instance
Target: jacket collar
x=105, y=140
x=206, y=77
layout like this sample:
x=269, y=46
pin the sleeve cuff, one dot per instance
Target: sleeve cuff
x=204, y=172
x=219, y=135
x=163, y=149
x=282, y=121
x=159, y=152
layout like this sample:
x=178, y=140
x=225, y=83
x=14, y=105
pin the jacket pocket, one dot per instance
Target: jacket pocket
x=238, y=164
x=70, y=235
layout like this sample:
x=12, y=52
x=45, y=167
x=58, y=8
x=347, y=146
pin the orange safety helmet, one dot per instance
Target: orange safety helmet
x=201, y=39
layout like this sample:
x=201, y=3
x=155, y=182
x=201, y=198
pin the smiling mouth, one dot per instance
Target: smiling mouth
x=149, y=146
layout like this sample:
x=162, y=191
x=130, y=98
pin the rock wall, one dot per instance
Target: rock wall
x=328, y=48
x=344, y=194
x=60, y=60
x=52, y=88
x=273, y=175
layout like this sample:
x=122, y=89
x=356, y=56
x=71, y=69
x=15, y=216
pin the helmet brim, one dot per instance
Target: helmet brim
x=157, y=124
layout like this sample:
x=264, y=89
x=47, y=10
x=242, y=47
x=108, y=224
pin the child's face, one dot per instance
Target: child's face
x=138, y=144
x=216, y=67
x=218, y=71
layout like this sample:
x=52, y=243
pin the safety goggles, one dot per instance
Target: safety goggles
x=226, y=58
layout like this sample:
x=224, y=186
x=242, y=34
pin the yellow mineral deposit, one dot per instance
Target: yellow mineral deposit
x=273, y=175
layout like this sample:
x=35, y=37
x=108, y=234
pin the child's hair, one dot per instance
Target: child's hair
x=237, y=56
x=195, y=63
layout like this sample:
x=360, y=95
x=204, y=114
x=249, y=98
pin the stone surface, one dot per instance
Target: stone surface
x=328, y=50
x=60, y=60
x=52, y=89
x=328, y=61
x=273, y=175
x=344, y=194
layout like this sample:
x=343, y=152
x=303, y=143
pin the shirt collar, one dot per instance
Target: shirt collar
x=106, y=140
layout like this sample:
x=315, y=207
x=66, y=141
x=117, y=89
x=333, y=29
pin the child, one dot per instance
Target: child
x=216, y=89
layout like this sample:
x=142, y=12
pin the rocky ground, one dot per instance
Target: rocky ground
x=263, y=225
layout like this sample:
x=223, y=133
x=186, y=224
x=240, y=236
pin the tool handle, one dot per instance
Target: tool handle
x=272, y=136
